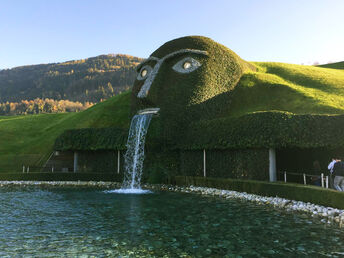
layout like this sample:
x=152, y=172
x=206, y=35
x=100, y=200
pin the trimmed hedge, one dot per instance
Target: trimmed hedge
x=256, y=130
x=267, y=129
x=92, y=139
x=239, y=164
x=100, y=161
x=312, y=194
x=61, y=177
x=160, y=165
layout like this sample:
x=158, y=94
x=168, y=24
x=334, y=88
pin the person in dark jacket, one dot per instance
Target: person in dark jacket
x=338, y=173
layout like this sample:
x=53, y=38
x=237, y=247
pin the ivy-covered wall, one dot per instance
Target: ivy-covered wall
x=100, y=161
x=92, y=139
x=160, y=166
x=257, y=130
x=235, y=164
x=236, y=147
x=265, y=130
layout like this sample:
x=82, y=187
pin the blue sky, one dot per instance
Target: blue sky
x=293, y=31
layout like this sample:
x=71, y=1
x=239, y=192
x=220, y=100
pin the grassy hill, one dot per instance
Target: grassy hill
x=90, y=79
x=286, y=87
x=30, y=139
x=274, y=87
x=338, y=65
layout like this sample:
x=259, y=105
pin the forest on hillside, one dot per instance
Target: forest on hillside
x=38, y=106
x=83, y=82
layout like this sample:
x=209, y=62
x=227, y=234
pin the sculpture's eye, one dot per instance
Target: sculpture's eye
x=144, y=72
x=186, y=65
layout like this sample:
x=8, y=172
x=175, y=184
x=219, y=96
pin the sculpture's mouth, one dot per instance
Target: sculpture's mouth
x=154, y=111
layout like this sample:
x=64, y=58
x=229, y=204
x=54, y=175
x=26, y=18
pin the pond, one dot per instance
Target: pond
x=93, y=222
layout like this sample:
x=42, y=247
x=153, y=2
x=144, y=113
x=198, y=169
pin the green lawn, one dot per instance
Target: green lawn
x=275, y=86
x=293, y=88
x=29, y=139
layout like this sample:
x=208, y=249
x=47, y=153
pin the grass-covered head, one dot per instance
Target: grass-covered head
x=189, y=70
x=183, y=76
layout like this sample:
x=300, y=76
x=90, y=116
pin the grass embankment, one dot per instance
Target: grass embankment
x=30, y=139
x=338, y=65
x=292, y=88
x=280, y=105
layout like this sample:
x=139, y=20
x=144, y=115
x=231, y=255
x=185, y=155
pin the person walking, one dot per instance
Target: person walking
x=338, y=173
x=330, y=168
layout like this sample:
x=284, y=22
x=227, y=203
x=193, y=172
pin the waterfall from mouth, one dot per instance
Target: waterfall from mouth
x=134, y=156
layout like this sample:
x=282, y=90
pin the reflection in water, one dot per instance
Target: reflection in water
x=74, y=222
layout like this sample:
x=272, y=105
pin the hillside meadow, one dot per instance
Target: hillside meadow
x=30, y=139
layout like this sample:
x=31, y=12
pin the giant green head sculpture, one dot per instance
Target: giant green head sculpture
x=189, y=79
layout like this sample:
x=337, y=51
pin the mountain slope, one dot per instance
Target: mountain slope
x=90, y=79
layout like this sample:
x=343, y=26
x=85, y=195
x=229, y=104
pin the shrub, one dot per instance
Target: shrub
x=92, y=139
x=266, y=129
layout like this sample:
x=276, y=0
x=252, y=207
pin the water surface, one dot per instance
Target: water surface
x=73, y=222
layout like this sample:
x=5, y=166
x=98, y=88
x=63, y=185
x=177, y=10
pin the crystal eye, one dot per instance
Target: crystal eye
x=186, y=65
x=144, y=72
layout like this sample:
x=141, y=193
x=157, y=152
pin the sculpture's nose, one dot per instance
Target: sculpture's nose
x=144, y=89
x=150, y=79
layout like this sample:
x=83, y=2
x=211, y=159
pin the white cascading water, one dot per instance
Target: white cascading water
x=134, y=156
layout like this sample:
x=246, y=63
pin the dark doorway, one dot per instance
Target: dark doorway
x=299, y=161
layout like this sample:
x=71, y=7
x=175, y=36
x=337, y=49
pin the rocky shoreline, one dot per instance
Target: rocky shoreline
x=327, y=215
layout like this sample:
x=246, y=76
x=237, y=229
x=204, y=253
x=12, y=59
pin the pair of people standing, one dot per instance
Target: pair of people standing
x=336, y=168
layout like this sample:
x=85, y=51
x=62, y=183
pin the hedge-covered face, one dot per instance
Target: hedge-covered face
x=149, y=69
x=183, y=76
x=192, y=68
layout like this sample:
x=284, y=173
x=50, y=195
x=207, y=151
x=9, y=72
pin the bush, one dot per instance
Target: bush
x=267, y=129
x=312, y=194
x=92, y=139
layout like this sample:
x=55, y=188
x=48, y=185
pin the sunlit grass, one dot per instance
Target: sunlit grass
x=294, y=88
x=338, y=65
x=22, y=136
